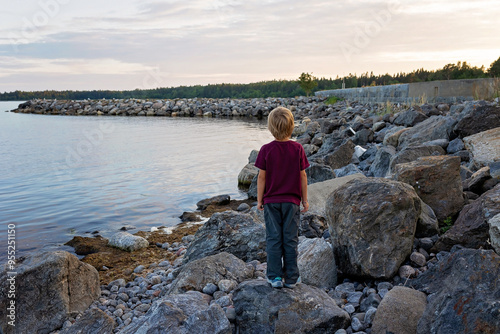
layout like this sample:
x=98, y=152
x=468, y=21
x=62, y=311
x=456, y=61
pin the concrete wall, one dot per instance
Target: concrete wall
x=446, y=91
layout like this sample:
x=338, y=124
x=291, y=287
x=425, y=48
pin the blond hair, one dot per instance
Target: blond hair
x=281, y=123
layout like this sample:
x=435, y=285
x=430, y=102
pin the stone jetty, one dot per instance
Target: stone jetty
x=402, y=235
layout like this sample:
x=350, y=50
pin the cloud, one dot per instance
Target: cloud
x=209, y=41
x=10, y=66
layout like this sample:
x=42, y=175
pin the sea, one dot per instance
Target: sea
x=66, y=176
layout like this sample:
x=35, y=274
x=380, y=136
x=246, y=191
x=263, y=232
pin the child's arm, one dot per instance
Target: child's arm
x=303, y=186
x=261, y=185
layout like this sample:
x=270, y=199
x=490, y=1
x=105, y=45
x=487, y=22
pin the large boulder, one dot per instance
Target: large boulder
x=410, y=154
x=247, y=174
x=381, y=164
x=230, y=231
x=399, y=311
x=436, y=179
x=484, y=147
x=479, y=119
x=211, y=269
x=92, y=321
x=127, y=241
x=316, y=262
x=372, y=223
x=318, y=193
x=341, y=156
x=471, y=228
x=463, y=293
x=260, y=309
x=49, y=287
x=188, y=313
x=318, y=173
x=435, y=127
x=410, y=118
x=391, y=136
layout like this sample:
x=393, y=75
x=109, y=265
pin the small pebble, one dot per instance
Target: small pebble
x=418, y=259
x=406, y=271
x=349, y=308
x=210, y=288
x=139, y=269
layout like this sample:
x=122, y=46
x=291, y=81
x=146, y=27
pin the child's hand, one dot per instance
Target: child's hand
x=260, y=206
x=306, y=206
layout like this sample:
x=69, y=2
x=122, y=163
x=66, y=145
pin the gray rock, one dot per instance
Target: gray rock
x=371, y=301
x=443, y=143
x=230, y=231
x=410, y=154
x=318, y=193
x=216, y=200
x=406, y=271
x=227, y=285
x=427, y=224
x=455, y=145
x=436, y=179
x=139, y=269
x=50, y=286
x=318, y=173
x=210, y=288
x=197, y=274
x=391, y=137
x=358, y=211
x=311, y=225
x=304, y=309
x=476, y=181
x=377, y=126
x=484, y=147
x=243, y=207
x=435, y=127
x=479, y=119
x=316, y=263
x=253, y=156
x=92, y=321
x=127, y=241
x=399, y=311
x=347, y=170
x=418, y=259
x=357, y=325
x=381, y=164
x=471, y=227
x=363, y=137
x=494, y=232
x=247, y=174
x=310, y=149
x=252, y=190
x=341, y=156
x=410, y=118
x=463, y=297
x=349, y=308
x=188, y=313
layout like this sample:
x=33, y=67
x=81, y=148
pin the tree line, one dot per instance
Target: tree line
x=306, y=84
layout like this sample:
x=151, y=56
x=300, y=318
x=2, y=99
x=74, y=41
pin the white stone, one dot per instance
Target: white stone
x=127, y=241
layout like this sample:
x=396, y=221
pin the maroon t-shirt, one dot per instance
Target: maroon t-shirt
x=283, y=161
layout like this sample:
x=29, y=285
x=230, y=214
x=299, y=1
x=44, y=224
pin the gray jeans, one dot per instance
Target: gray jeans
x=282, y=237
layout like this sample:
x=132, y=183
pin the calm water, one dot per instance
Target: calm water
x=62, y=176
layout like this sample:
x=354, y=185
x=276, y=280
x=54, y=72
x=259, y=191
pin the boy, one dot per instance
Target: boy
x=281, y=186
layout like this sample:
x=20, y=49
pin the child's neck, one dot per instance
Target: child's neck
x=287, y=139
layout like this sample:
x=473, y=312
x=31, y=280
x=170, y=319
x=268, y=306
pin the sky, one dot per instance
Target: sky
x=129, y=44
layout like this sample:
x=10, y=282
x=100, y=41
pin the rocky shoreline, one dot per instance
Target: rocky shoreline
x=403, y=236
